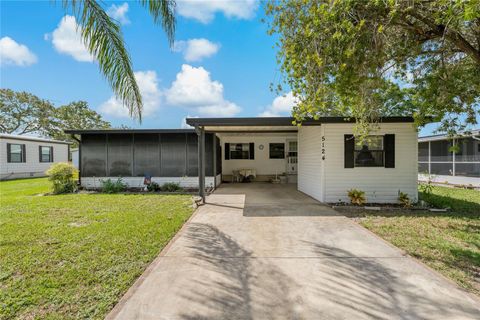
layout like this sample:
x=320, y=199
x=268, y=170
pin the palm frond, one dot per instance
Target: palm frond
x=104, y=40
x=163, y=13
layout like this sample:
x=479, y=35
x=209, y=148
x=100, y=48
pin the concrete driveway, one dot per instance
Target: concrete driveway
x=262, y=251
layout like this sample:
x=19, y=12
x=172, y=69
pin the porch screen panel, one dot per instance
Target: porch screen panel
x=208, y=154
x=146, y=155
x=441, y=168
x=93, y=155
x=423, y=167
x=466, y=150
x=440, y=150
x=423, y=151
x=467, y=169
x=120, y=155
x=173, y=155
x=192, y=155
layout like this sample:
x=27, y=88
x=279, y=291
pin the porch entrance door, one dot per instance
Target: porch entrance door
x=292, y=156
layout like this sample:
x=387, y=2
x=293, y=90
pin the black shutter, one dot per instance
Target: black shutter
x=24, y=154
x=349, y=147
x=9, y=153
x=51, y=154
x=252, y=151
x=227, y=151
x=389, y=147
x=39, y=153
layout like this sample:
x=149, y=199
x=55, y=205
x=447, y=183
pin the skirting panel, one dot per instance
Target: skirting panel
x=137, y=182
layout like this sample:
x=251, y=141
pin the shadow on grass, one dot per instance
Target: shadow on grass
x=458, y=207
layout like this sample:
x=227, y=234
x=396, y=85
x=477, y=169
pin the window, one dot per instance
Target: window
x=15, y=153
x=239, y=151
x=370, y=152
x=277, y=150
x=46, y=154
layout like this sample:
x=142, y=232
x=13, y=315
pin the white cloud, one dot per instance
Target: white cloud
x=119, y=13
x=151, y=94
x=194, y=89
x=281, y=106
x=204, y=10
x=196, y=49
x=66, y=39
x=184, y=124
x=14, y=53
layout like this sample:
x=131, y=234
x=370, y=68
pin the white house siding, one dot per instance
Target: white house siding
x=381, y=185
x=32, y=167
x=262, y=164
x=310, y=164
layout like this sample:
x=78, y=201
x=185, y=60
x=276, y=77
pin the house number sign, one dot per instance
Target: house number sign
x=323, y=147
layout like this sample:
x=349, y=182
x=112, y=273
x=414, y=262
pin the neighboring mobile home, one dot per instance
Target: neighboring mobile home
x=437, y=157
x=321, y=156
x=25, y=156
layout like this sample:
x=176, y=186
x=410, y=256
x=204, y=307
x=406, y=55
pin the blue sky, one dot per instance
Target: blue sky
x=222, y=64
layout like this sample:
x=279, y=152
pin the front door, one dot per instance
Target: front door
x=292, y=160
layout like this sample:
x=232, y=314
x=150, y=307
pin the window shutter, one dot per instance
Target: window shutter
x=389, y=147
x=227, y=151
x=40, y=153
x=252, y=151
x=24, y=154
x=349, y=147
x=51, y=154
x=9, y=155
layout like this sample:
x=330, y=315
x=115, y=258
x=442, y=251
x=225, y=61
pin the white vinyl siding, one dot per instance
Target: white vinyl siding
x=310, y=164
x=262, y=163
x=32, y=167
x=380, y=184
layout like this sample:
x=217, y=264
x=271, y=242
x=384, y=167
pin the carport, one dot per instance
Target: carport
x=246, y=126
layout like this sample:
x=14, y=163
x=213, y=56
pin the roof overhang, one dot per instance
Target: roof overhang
x=272, y=124
x=475, y=134
x=119, y=131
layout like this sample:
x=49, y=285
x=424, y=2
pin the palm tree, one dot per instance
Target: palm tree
x=103, y=38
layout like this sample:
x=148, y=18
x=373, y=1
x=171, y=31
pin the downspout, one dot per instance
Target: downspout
x=79, y=157
x=201, y=162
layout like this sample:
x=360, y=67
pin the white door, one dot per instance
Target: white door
x=292, y=156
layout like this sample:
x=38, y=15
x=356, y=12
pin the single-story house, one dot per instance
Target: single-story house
x=321, y=156
x=26, y=156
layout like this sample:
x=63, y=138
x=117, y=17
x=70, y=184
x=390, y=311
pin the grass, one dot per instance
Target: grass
x=447, y=242
x=74, y=256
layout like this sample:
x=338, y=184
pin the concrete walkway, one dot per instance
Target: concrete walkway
x=262, y=251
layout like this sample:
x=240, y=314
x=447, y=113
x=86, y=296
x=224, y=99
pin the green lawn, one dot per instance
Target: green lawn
x=74, y=256
x=447, y=242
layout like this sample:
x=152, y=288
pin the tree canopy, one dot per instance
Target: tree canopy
x=373, y=58
x=25, y=113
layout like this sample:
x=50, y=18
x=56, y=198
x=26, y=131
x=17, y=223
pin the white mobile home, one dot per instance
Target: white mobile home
x=321, y=156
x=25, y=156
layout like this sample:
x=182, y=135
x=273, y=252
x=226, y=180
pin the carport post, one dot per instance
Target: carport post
x=201, y=162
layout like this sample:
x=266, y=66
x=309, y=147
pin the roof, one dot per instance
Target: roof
x=280, y=121
x=271, y=124
x=444, y=136
x=30, y=138
x=115, y=131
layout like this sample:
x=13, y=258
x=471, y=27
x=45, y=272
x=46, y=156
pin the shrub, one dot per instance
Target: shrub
x=171, y=187
x=153, y=186
x=357, y=196
x=62, y=175
x=404, y=199
x=109, y=186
